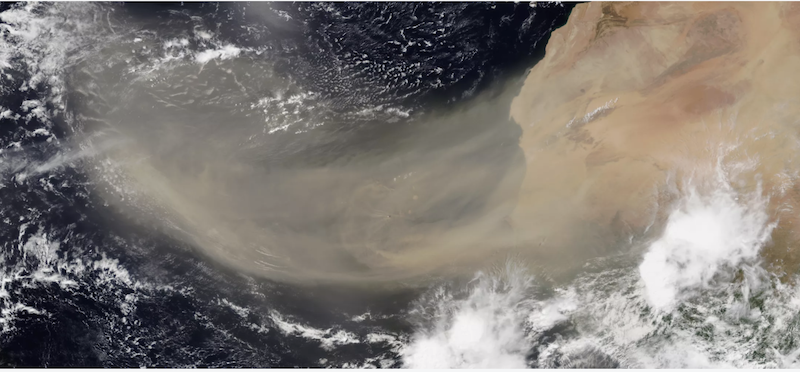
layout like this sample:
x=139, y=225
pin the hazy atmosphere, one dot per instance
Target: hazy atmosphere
x=399, y=185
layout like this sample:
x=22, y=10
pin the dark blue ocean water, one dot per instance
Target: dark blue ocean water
x=84, y=285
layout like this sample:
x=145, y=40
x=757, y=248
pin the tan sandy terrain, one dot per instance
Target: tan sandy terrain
x=633, y=100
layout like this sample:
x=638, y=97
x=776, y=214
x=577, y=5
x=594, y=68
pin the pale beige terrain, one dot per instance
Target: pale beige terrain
x=633, y=100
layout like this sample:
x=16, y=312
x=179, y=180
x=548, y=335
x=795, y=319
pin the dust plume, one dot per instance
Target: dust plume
x=376, y=202
x=632, y=104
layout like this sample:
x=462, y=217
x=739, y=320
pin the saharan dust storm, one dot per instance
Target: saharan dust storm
x=396, y=201
x=632, y=105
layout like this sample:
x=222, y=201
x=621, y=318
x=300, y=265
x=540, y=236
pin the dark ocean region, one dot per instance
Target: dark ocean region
x=83, y=283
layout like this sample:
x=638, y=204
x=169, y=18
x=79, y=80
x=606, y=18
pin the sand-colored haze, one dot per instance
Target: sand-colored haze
x=633, y=100
x=632, y=103
x=378, y=204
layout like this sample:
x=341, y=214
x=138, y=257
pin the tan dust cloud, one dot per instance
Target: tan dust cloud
x=407, y=201
x=635, y=98
x=630, y=101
